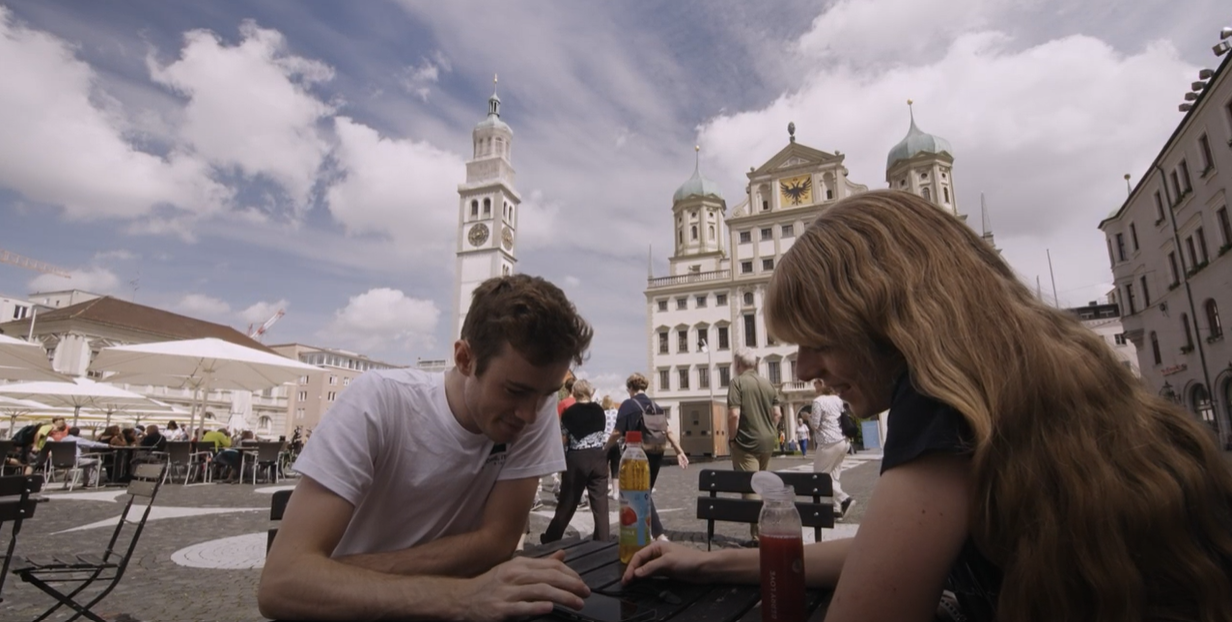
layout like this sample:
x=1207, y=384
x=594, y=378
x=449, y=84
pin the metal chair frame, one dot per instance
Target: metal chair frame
x=268, y=454
x=62, y=455
x=86, y=569
x=23, y=487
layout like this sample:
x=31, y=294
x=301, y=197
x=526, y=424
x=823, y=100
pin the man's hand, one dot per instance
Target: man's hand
x=682, y=460
x=521, y=587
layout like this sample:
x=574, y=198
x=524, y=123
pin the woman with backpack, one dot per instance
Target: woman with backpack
x=640, y=413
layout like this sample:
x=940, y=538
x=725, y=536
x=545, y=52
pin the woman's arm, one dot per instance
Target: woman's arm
x=915, y=526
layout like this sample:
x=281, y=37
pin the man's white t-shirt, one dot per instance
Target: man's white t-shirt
x=391, y=447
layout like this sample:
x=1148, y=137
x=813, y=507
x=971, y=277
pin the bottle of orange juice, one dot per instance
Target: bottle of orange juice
x=634, y=497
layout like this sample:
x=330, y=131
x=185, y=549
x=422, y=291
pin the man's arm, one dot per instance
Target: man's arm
x=466, y=554
x=778, y=415
x=733, y=423
x=301, y=581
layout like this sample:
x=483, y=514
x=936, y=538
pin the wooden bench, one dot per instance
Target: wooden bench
x=817, y=512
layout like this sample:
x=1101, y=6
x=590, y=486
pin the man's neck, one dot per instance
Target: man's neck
x=455, y=390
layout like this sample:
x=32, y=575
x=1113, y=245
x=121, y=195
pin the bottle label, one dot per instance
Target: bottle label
x=634, y=518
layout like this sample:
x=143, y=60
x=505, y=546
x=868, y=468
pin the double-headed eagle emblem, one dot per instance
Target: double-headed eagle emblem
x=796, y=191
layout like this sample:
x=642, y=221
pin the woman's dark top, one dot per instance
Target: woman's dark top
x=583, y=424
x=629, y=416
x=920, y=425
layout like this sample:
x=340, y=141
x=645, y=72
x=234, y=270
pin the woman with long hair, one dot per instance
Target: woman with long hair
x=1028, y=475
x=582, y=425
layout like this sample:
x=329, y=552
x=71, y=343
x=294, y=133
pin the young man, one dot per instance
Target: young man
x=416, y=487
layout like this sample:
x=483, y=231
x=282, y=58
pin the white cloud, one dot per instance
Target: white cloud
x=259, y=312
x=120, y=254
x=249, y=106
x=869, y=31
x=93, y=279
x=417, y=79
x=1046, y=131
x=402, y=189
x=383, y=318
x=203, y=306
x=63, y=147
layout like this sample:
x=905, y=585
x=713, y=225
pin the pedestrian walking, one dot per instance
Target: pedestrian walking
x=753, y=412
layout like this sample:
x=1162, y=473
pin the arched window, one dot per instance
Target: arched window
x=265, y=423
x=474, y=208
x=711, y=233
x=693, y=232
x=1188, y=333
x=500, y=146
x=1212, y=318
x=1155, y=348
x=680, y=236
x=946, y=192
x=487, y=207
x=748, y=298
x=928, y=194
x=1200, y=402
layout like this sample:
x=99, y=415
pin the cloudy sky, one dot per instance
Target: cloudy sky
x=227, y=159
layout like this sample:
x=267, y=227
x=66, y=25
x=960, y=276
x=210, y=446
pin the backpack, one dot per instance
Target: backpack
x=847, y=423
x=25, y=436
x=653, y=426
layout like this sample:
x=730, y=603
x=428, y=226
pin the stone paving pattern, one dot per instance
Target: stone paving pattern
x=157, y=588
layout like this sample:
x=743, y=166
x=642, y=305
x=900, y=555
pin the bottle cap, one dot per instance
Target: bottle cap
x=633, y=436
x=767, y=483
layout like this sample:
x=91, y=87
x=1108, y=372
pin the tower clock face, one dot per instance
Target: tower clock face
x=796, y=190
x=507, y=238
x=478, y=234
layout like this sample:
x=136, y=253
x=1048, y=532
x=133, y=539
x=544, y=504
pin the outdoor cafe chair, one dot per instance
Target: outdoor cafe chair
x=8, y=449
x=267, y=458
x=17, y=503
x=83, y=570
x=180, y=455
x=62, y=459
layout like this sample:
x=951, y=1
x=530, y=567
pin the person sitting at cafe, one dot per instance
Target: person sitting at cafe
x=416, y=486
x=112, y=436
x=231, y=459
x=87, y=464
x=54, y=431
x=153, y=438
x=173, y=432
x=1027, y=473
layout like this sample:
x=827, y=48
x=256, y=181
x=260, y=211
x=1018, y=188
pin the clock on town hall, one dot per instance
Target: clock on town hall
x=478, y=234
x=507, y=238
x=796, y=190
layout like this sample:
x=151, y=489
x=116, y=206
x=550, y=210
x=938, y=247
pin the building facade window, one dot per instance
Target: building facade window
x=724, y=376
x=946, y=192
x=746, y=237
x=724, y=338
x=1133, y=236
x=1155, y=348
x=1225, y=226
x=1193, y=254
x=692, y=232
x=1208, y=161
x=746, y=267
x=683, y=374
x=774, y=372
x=663, y=305
x=1120, y=246
x=750, y=330
x=682, y=303
x=303, y=396
x=767, y=234
x=767, y=264
x=333, y=380
x=1129, y=298
x=1176, y=274
x=487, y=207
x=1189, y=343
x=748, y=298
x=1185, y=176
x=1176, y=186
x=1159, y=208
x=1146, y=293
x=665, y=380
x=928, y=194
x=474, y=208
x=700, y=301
x=789, y=231
x=1201, y=237
x=720, y=300
x=332, y=395
x=703, y=338
x=682, y=340
x=703, y=377
x=1212, y=318
x=663, y=342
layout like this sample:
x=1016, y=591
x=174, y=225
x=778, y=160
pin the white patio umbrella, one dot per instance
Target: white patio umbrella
x=78, y=394
x=199, y=364
x=15, y=408
x=22, y=360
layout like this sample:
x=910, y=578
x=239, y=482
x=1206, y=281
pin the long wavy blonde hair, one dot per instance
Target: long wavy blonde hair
x=1099, y=501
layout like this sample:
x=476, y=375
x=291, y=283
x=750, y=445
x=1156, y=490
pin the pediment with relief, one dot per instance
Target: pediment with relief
x=797, y=156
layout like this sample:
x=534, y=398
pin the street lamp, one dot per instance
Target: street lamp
x=1168, y=393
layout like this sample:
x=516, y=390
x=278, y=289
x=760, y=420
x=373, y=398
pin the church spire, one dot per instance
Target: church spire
x=494, y=101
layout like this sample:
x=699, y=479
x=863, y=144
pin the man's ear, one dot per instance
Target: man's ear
x=463, y=358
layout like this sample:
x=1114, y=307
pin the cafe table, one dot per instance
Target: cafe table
x=599, y=565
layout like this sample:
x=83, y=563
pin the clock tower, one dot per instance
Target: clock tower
x=488, y=208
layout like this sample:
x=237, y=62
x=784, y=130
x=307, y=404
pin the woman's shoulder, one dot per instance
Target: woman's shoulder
x=920, y=425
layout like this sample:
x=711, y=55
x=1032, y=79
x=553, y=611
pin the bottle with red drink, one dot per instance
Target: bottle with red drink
x=782, y=551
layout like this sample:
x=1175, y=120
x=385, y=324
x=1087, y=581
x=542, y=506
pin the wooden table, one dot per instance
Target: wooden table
x=599, y=565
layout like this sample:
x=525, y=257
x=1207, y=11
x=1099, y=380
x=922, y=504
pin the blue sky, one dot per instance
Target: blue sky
x=225, y=159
